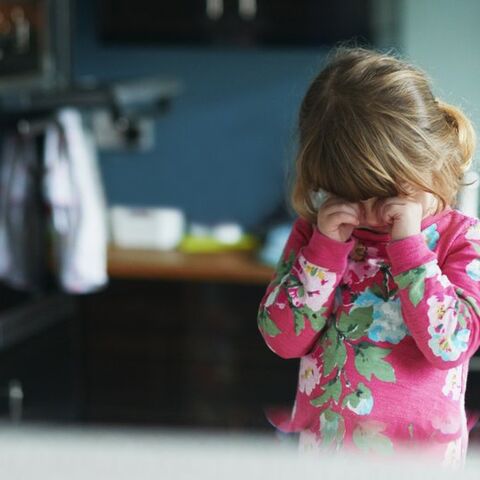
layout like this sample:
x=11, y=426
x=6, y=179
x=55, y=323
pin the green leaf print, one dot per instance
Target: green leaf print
x=470, y=300
x=378, y=291
x=284, y=266
x=333, y=389
x=356, y=323
x=332, y=428
x=267, y=325
x=413, y=279
x=462, y=315
x=334, y=351
x=368, y=362
x=367, y=437
x=284, y=278
x=317, y=319
x=353, y=400
x=299, y=321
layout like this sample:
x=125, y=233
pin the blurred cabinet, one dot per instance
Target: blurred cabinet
x=237, y=22
x=181, y=353
x=40, y=378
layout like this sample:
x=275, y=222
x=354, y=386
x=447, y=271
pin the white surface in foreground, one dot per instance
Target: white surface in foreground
x=70, y=454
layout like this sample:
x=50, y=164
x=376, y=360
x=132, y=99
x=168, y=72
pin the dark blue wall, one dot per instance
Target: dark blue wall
x=222, y=151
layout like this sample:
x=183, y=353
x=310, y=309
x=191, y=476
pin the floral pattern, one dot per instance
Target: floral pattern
x=387, y=324
x=447, y=424
x=453, y=454
x=368, y=311
x=317, y=285
x=447, y=338
x=332, y=429
x=306, y=288
x=431, y=236
x=309, y=375
x=360, y=401
x=308, y=442
x=473, y=269
x=453, y=383
x=363, y=263
x=368, y=436
x=473, y=232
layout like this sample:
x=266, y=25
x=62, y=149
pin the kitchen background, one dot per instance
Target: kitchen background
x=192, y=116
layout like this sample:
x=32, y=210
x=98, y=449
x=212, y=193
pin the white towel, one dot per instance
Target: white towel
x=74, y=191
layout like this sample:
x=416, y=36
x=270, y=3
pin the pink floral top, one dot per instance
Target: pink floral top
x=384, y=330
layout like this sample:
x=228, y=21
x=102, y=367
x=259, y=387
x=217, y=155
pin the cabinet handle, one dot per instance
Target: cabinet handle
x=214, y=9
x=247, y=9
x=15, y=400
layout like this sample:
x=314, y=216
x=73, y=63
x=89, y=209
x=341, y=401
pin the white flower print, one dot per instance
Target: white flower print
x=309, y=375
x=432, y=269
x=308, y=442
x=318, y=284
x=473, y=232
x=296, y=296
x=362, y=263
x=447, y=339
x=453, y=383
x=447, y=424
x=453, y=454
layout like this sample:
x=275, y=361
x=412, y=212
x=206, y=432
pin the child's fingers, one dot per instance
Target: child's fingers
x=340, y=217
x=341, y=207
x=390, y=211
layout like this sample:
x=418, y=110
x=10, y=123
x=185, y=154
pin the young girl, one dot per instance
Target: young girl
x=377, y=290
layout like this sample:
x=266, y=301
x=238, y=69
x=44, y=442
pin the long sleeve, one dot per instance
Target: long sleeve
x=440, y=306
x=300, y=297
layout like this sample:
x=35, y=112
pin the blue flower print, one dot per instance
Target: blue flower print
x=473, y=269
x=364, y=407
x=449, y=348
x=388, y=324
x=431, y=236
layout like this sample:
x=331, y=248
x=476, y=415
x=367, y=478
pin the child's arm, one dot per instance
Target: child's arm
x=300, y=297
x=440, y=306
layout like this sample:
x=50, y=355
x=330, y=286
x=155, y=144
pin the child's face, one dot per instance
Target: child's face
x=370, y=211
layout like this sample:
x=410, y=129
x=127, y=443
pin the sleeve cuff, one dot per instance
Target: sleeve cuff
x=326, y=252
x=408, y=253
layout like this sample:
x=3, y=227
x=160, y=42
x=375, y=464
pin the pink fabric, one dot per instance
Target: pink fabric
x=384, y=330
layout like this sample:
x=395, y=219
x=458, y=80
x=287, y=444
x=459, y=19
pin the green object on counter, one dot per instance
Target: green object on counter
x=208, y=244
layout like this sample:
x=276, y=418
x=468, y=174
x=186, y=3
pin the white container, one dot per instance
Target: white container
x=159, y=228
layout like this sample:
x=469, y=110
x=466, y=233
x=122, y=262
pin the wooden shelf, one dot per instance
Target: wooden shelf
x=237, y=267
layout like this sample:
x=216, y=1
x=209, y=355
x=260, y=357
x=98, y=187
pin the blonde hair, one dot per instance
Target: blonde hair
x=369, y=126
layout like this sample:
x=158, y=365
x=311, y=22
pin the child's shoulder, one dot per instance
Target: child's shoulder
x=457, y=222
x=456, y=225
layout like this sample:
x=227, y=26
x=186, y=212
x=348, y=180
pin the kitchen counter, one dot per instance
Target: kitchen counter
x=234, y=266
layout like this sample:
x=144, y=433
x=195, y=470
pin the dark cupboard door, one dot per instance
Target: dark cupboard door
x=236, y=22
x=152, y=21
x=308, y=22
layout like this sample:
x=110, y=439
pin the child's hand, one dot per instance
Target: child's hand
x=337, y=218
x=404, y=214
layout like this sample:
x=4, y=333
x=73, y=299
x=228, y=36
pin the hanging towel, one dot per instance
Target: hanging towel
x=74, y=192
